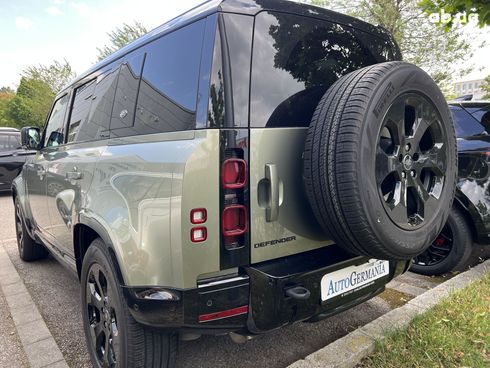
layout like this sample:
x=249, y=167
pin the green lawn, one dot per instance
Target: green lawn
x=455, y=333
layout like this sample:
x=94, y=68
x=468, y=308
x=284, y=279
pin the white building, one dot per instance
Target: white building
x=471, y=87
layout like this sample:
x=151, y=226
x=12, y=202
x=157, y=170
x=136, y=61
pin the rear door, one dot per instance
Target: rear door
x=294, y=61
x=71, y=166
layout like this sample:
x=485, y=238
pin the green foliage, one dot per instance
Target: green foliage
x=32, y=102
x=421, y=42
x=486, y=87
x=455, y=333
x=37, y=89
x=6, y=95
x=120, y=37
x=453, y=7
x=56, y=75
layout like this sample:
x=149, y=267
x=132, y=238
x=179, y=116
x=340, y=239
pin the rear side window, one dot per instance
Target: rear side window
x=92, y=108
x=9, y=142
x=167, y=96
x=480, y=113
x=296, y=59
x=53, y=135
x=126, y=94
x=464, y=123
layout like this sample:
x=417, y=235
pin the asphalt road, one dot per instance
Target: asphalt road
x=55, y=290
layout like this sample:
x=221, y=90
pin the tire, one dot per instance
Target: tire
x=133, y=345
x=368, y=136
x=451, y=251
x=29, y=250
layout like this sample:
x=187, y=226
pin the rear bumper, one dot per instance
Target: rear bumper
x=257, y=294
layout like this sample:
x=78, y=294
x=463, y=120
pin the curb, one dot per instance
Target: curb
x=38, y=343
x=349, y=350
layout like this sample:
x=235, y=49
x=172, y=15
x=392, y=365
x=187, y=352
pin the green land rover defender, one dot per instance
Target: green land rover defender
x=247, y=165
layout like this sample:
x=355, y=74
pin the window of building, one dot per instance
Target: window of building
x=53, y=135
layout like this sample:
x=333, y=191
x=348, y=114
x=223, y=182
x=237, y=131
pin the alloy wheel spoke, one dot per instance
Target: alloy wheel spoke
x=396, y=122
x=385, y=164
x=399, y=204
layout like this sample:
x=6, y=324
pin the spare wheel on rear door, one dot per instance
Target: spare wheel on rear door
x=380, y=161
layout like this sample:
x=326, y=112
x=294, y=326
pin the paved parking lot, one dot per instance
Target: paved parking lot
x=55, y=291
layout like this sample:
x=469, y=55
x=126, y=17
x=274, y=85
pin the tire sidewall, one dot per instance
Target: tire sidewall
x=97, y=254
x=460, y=252
x=406, y=243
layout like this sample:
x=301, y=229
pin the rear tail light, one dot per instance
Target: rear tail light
x=234, y=200
x=199, y=234
x=234, y=220
x=234, y=173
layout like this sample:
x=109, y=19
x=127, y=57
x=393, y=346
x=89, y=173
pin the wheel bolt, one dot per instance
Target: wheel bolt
x=412, y=173
x=407, y=147
x=403, y=174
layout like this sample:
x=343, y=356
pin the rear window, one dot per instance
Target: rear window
x=9, y=142
x=465, y=124
x=296, y=59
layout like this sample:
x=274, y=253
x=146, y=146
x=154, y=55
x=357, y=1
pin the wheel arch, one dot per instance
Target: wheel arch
x=84, y=233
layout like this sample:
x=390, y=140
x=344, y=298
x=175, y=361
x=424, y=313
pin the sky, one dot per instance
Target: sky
x=36, y=32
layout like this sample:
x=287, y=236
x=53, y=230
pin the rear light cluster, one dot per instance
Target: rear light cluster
x=234, y=215
x=198, y=217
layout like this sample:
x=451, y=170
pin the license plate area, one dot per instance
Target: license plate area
x=348, y=280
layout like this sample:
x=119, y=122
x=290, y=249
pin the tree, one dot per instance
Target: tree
x=6, y=95
x=486, y=87
x=56, y=75
x=421, y=42
x=120, y=37
x=31, y=103
x=463, y=7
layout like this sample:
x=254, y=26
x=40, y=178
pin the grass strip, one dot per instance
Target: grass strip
x=455, y=333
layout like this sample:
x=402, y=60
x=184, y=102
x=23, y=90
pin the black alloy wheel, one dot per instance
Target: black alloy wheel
x=411, y=160
x=19, y=228
x=102, y=317
x=438, y=251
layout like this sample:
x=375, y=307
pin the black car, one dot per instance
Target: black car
x=12, y=156
x=469, y=222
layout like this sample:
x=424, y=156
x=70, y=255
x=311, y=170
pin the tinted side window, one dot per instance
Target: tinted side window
x=126, y=93
x=168, y=90
x=295, y=60
x=80, y=108
x=53, y=136
x=465, y=124
x=92, y=108
x=482, y=114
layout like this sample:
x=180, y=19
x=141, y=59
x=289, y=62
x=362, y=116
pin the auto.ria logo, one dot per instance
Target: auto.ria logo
x=459, y=18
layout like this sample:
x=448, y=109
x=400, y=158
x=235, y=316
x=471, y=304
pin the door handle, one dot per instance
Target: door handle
x=272, y=212
x=74, y=175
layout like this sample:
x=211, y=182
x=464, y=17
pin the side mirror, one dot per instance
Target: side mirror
x=30, y=137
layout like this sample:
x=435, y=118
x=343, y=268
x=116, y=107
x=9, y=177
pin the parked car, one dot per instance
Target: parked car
x=459, y=244
x=245, y=166
x=12, y=156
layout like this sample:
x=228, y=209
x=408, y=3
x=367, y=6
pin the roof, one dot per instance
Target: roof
x=246, y=7
x=470, y=103
x=9, y=130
